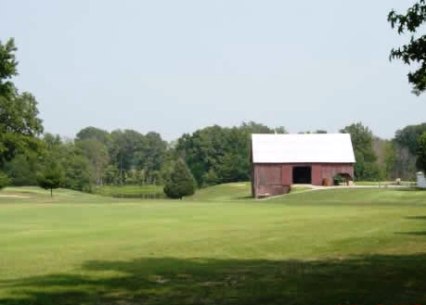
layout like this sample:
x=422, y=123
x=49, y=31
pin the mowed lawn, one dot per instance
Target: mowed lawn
x=344, y=246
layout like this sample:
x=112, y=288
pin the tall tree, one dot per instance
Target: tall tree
x=97, y=154
x=124, y=146
x=8, y=67
x=51, y=176
x=150, y=156
x=93, y=133
x=19, y=122
x=362, y=141
x=413, y=52
x=421, y=153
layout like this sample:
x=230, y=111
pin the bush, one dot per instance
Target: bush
x=180, y=183
x=338, y=179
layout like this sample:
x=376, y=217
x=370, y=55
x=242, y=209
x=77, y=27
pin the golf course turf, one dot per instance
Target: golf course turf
x=337, y=246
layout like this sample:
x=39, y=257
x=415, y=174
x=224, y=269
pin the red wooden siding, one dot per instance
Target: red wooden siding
x=275, y=179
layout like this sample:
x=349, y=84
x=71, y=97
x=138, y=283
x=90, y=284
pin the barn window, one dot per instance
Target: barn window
x=302, y=175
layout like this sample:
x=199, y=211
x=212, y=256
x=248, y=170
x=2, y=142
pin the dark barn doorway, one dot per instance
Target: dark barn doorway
x=302, y=175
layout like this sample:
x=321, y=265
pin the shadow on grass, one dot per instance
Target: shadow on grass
x=418, y=233
x=422, y=217
x=361, y=280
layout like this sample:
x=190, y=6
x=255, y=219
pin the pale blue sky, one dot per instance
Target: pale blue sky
x=176, y=66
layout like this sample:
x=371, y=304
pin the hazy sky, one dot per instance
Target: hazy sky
x=176, y=66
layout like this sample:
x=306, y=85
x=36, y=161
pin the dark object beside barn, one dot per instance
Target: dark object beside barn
x=278, y=161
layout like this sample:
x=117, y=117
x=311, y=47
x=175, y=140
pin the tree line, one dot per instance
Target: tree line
x=211, y=155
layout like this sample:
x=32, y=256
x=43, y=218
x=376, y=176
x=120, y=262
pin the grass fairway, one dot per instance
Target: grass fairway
x=343, y=246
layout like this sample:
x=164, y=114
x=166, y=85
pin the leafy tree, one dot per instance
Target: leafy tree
x=389, y=160
x=111, y=175
x=217, y=154
x=8, y=67
x=406, y=148
x=22, y=169
x=150, y=156
x=181, y=182
x=4, y=180
x=19, y=126
x=69, y=157
x=362, y=141
x=413, y=52
x=421, y=153
x=77, y=172
x=51, y=177
x=124, y=146
x=19, y=122
x=97, y=156
x=93, y=133
x=409, y=135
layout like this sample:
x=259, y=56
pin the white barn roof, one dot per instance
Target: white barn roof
x=302, y=148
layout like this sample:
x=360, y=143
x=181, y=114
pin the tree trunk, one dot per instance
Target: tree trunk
x=51, y=192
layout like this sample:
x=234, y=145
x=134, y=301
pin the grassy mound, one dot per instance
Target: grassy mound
x=131, y=191
x=223, y=192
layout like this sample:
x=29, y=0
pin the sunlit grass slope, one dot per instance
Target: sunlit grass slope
x=344, y=246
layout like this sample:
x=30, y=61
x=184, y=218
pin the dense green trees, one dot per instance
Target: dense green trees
x=4, y=180
x=219, y=154
x=362, y=140
x=413, y=52
x=421, y=152
x=20, y=125
x=8, y=68
x=19, y=122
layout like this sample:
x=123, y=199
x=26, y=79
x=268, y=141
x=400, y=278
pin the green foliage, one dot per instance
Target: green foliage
x=362, y=141
x=406, y=149
x=75, y=166
x=77, y=172
x=414, y=51
x=22, y=169
x=96, y=154
x=51, y=176
x=8, y=67
x=19, y=126
x=218, y=154
x=181, y=182
x=409, y=135
x=19, y=122
x=421, y=153
x=4, y=180
x=93, y=133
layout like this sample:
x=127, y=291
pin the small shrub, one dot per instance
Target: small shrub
x=338, y=179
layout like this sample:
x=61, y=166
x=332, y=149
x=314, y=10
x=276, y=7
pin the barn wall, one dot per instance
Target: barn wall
x=317, y=174
x=286, y=174
x=268, y=180
x=331, y=170
x=275, y=179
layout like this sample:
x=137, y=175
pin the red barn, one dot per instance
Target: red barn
x=278, y=161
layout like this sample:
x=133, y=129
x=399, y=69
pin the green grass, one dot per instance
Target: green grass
x=343, y=246
x=131, y=191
